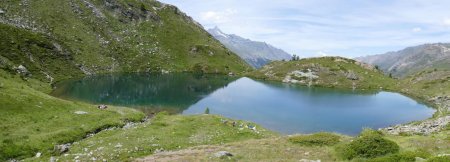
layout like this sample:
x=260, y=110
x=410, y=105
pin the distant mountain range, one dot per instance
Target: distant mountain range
x=257, y=54
x=412, y=59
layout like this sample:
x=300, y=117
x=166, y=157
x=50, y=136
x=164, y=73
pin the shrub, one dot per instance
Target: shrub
x=369, y=144
x=439, y=159
x=318, y=139
x=403, y=156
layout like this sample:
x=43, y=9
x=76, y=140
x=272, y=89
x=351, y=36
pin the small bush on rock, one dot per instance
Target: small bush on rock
x=318, y=139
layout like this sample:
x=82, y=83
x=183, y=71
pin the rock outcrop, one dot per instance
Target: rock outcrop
x=426, y=127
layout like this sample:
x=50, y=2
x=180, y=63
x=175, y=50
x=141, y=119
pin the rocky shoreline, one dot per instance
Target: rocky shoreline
x=428, y=126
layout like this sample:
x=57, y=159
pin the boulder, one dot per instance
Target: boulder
x=22, y=70
x=80, y=112
x=307, y=160
x=62, y=148
x=102, y=107
x=222, y=154
x=1, y=11
x=351, y=75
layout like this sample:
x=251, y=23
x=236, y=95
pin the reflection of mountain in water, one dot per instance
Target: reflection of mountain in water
x=149, y=92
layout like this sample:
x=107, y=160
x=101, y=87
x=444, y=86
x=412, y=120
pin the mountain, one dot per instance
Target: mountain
x=412, y=59
x=87, y=37
x=254, y=53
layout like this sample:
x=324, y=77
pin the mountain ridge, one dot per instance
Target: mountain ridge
x=254, y=53
x=412, y=59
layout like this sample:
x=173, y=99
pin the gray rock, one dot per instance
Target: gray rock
x=426, y=127
x=62, y=148
x=81, y=112
x=222, y=154
x=38, y=154
x=22, y=70
x=351, y=75
x=102, y=107
x=307, y=160
x=419, y=159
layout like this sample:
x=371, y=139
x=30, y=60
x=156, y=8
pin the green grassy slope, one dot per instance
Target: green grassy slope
x=432, y=86
x=32, y=121
x=161, y=133
x=334, y=72
x=96, y=36
x=37, y=52
x=428, y=83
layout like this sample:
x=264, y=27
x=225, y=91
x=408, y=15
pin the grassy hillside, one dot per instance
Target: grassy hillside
x=161, y=133
x=43, y=44
x=95, y=36
x=33, y=121
x=432, y=86
x=428, y=83
x=334, y=72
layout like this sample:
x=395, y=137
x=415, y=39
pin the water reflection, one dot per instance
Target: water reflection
x=147, y=92
x=280, y=107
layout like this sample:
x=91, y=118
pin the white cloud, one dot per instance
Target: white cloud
x=447, y=21
x=417, y=29
x=218, y=16
x=322, y=54
x=347, y=28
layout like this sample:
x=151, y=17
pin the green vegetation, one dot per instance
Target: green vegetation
x=334, y=72
x=33, y=121
x=318, y=139
x=37, y=52
x=163, y=132
x=369, y=144
x=428, y=83
x=267, y=149
x=95, y=36
x=440, y=159
x=90, y=37
x=402, y=156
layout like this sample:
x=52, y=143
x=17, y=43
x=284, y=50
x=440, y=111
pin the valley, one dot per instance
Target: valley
x=129, y=80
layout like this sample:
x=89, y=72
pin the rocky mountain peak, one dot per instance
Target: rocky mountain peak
x=254, y=53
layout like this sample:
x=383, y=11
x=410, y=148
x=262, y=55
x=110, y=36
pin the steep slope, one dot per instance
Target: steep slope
x=254, y=53
x=32, y=121
x=48, y=41
x=430, y=85
x=96, y=36
x=412, y=60
x=326, y=72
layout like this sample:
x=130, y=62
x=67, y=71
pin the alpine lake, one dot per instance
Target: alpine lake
x=284, y=108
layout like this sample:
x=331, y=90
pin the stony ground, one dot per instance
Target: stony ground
x=273, y=149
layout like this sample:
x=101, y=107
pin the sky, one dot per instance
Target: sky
x=312, y=28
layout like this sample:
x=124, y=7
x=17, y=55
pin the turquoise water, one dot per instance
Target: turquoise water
x=280, y=107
